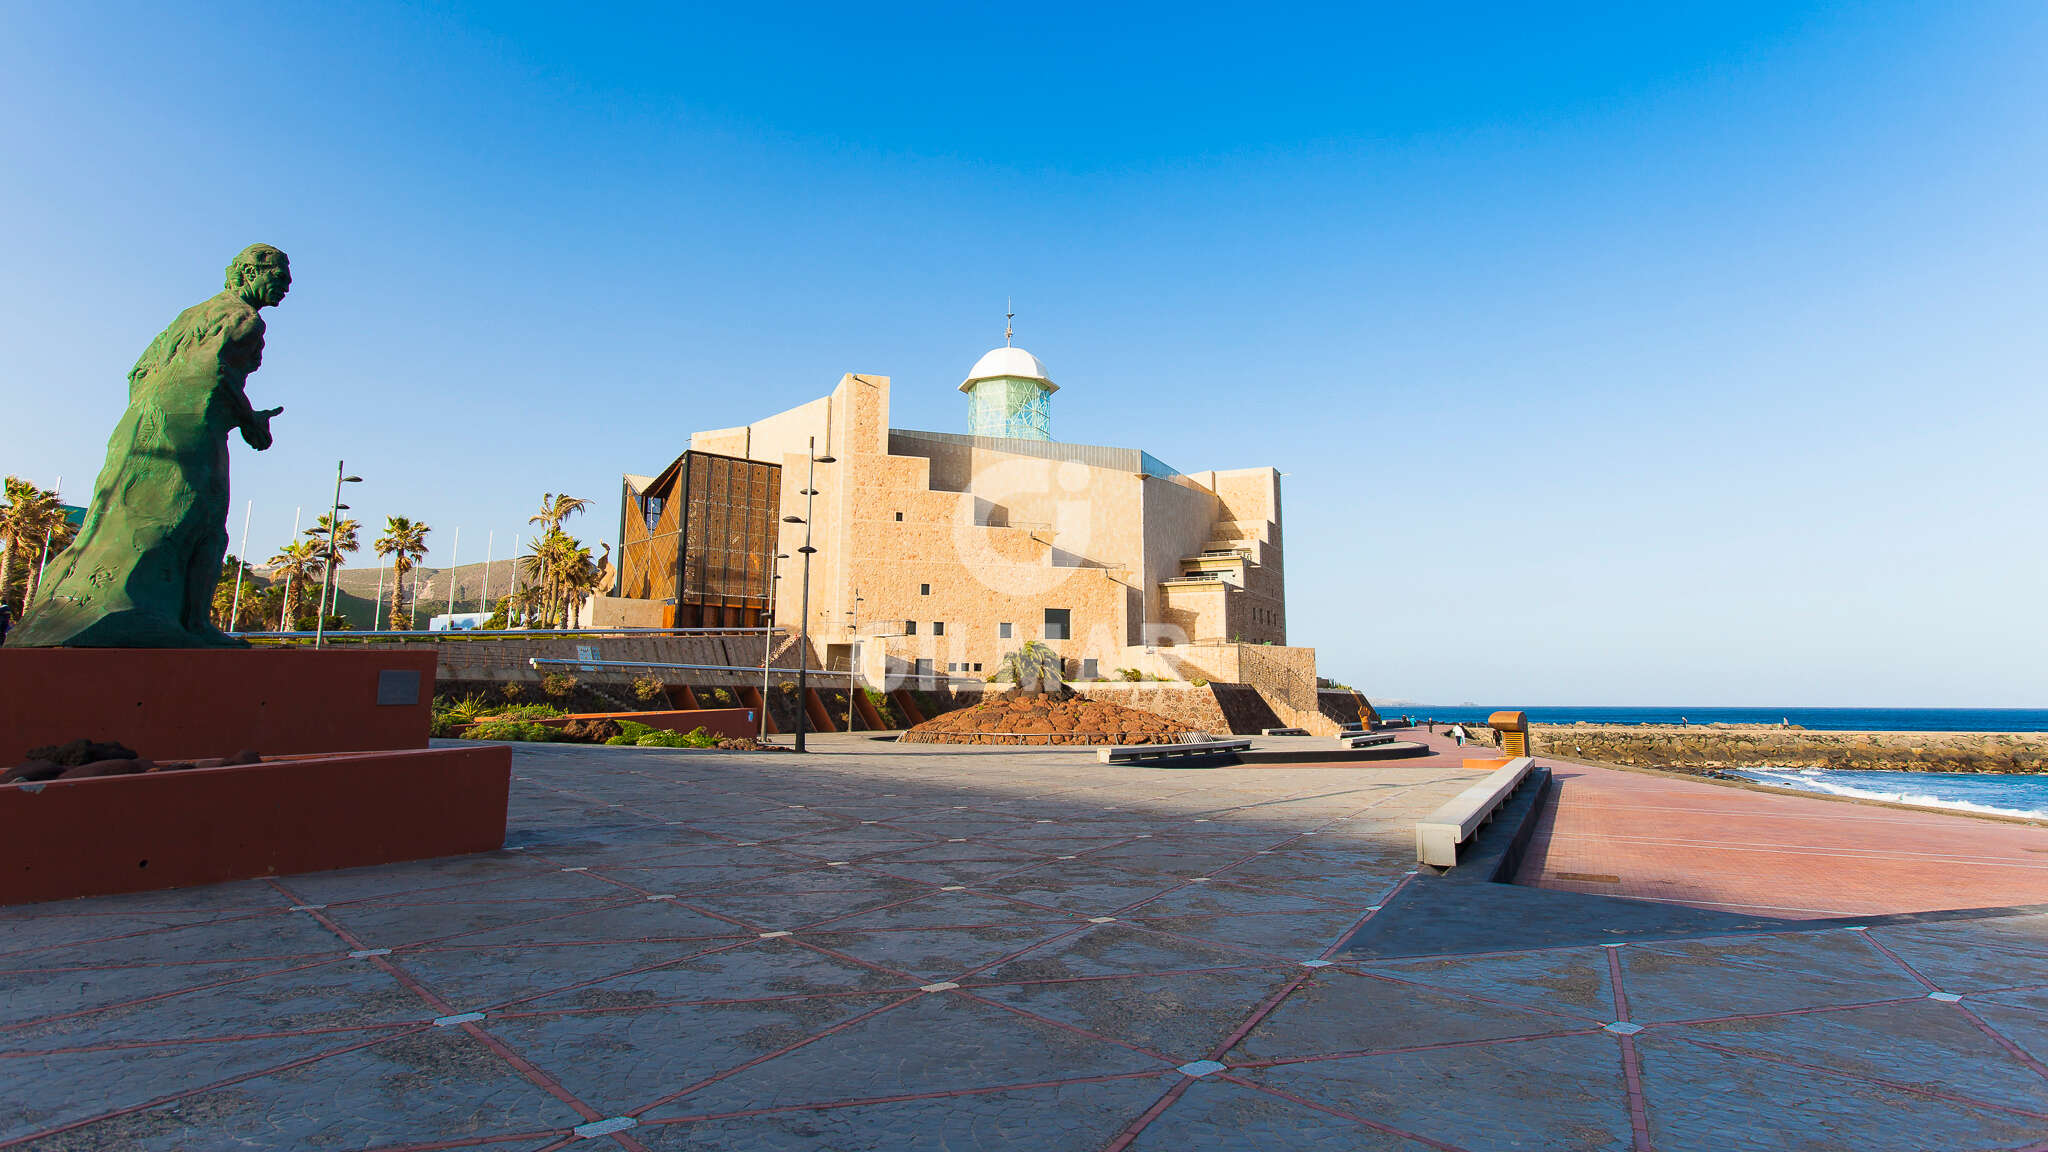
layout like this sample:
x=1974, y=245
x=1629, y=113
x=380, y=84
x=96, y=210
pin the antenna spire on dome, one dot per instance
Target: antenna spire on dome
x=1009, y=314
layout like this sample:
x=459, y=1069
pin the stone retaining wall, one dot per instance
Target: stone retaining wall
x=1196, y=707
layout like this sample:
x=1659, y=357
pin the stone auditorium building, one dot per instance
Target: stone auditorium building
x=938, y=552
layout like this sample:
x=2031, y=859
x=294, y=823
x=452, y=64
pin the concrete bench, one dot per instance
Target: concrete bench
x=1283, y=731
x=1437, y=837
x=1140, y=753
x=1363, y=740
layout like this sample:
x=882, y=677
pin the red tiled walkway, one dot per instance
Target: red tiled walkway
x=1712, y=846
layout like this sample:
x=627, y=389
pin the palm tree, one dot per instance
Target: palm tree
x=577, y=575
x=345, y=542
x=554, y=509
x=1033, y=668
x=30, y=520
x=298, y=564
x=406, y=543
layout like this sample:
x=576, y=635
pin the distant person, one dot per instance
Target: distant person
x=1458, y=734
x=6, y=620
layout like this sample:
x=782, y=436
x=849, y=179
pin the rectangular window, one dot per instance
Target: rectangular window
x=952, y=667
x=1002, y=631
x=924, y=589
x=899, y=517
x=1059, y=623
x=910, y=627
x=977, y=667
x=1089, y=670
x=938, y=627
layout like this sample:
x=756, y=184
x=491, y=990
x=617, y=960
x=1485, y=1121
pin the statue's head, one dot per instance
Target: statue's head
x=260, y=274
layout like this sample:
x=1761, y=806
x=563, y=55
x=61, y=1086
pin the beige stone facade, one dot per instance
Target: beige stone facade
x=938, y=553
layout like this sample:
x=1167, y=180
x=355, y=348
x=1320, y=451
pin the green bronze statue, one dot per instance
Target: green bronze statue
x=142, y=572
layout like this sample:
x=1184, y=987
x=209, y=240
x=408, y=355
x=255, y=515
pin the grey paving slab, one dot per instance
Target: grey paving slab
x=1561, y=1093
x=1095, y=974
x=1089, y=1116
x=1700, y=1100
x=1218, y=1115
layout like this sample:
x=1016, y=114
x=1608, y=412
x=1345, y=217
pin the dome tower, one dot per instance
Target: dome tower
x=1009, y=395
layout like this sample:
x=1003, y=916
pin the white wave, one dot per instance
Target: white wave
x=1816, y=780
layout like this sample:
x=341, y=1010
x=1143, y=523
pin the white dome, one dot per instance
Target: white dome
x=1008, y=362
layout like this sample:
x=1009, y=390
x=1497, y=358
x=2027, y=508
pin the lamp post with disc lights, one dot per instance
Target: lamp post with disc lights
x=803, y=665
x=333, y=531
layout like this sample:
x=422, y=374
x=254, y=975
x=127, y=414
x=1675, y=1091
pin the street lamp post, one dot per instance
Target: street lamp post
x=852, y=658
x=803, y=665
x=327, y=574
x=768, y=643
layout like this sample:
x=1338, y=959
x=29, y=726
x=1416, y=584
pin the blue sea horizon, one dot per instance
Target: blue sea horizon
x=1814, y=719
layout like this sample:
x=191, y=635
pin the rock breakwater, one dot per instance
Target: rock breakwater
x=1703, y=749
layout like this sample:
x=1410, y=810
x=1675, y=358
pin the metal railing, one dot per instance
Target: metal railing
x=507, y=633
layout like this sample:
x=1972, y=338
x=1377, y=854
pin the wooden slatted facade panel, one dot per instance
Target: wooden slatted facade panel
x=702, y=536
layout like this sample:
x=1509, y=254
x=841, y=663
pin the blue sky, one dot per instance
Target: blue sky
x=1615, y=355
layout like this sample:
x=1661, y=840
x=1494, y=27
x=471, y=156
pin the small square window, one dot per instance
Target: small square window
x=910, y=627
x=952, y=667
x=899, y=517
x=938, y=627
x=977, y=667
x=1090, y=670
x=1002, y=631
x=924, y=589
x=1059, y=623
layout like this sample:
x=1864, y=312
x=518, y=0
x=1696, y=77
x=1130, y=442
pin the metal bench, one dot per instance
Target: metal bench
x=1140, y=753
x=1437, y=837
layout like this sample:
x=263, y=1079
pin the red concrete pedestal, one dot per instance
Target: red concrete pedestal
x=156, y=830
x=194, y=703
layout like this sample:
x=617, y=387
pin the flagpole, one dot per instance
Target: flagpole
x=285, y=611
x=454, y=554
x=241, y=566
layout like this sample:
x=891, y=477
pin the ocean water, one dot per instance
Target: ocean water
x=2000, y=794
x=1816, y=719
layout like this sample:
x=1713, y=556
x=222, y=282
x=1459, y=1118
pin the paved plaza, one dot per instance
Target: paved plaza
x=911, y=949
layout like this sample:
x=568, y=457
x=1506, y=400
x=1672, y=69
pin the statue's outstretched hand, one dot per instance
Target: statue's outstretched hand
x=257, y=431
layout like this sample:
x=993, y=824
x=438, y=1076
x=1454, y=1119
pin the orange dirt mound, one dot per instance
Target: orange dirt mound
x=1021, y=719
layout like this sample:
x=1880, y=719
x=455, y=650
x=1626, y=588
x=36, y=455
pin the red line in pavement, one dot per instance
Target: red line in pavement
x=1614, y=983
x=1259, y=1015
x=1631, y=1065
x=526, y=1068
x=1638, y=1110
x=1930, y=985
x=1166, y=1099
x=1894, y=1085
x=1326, y=953
x=2017, y=1053
x=547, y=1013
x=1354, y=1117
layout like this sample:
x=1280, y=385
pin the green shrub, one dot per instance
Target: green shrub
x=558, y=684
x=633, y=729
x=442, y=725
x=620, y=740
x=649, y=688
x=661, y=738
x=529, y=712
x=511, y=730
